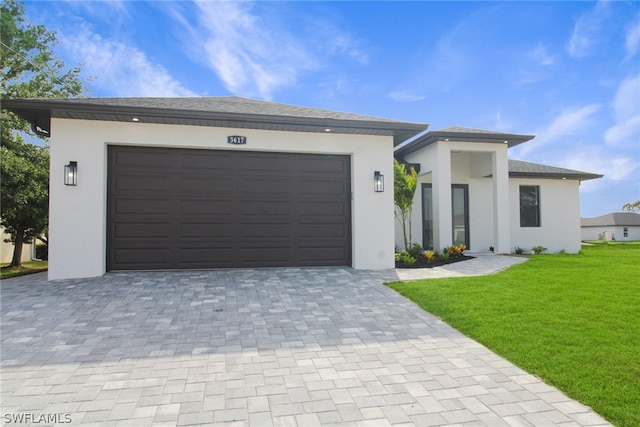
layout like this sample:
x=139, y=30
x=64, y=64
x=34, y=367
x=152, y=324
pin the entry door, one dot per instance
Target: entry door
x=459, y=215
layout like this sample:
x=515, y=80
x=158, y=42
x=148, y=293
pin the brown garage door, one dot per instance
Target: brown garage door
x=184, y=209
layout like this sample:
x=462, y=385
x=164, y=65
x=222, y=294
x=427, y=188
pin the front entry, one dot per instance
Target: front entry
x=459, y=215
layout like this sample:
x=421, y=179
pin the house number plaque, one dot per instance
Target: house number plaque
x=236, y=140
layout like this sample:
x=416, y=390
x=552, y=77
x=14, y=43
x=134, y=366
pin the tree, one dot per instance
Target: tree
x=631, y=207
x=25, y=194
x=404, y=189
x=29, y=69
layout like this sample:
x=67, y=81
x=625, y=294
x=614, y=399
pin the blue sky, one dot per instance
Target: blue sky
x=568, y=72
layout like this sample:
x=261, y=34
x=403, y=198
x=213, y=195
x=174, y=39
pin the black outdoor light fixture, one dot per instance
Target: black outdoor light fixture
x=378, y=182
x=71, y=174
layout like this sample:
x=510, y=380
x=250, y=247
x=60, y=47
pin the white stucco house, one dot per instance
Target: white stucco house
x=624, y=226
x=229, y=182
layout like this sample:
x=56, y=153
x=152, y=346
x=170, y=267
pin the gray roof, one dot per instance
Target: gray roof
x=612, y=219
x=518, y=168
x=226, y=111
x=459, y=133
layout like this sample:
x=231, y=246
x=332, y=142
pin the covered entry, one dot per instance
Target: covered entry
x=170, y=208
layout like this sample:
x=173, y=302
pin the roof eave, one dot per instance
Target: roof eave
x=41, y=111
x=542, y=175
x=436, y=136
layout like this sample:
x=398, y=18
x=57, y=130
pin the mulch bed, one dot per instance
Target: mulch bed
x=423, y=263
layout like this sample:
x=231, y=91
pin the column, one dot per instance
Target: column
x=442, y=222
x=501, y=219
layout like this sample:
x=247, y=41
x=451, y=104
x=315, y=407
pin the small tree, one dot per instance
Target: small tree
x=29, y=69
x=404, y=189
x=25, y=194
x=631, y=207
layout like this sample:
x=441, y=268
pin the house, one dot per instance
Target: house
x=230, y=182
x=7, y=248
x=612, y=226
x=470, y=193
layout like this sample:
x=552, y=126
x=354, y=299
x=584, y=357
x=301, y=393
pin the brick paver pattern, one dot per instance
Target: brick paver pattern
x=281, y=347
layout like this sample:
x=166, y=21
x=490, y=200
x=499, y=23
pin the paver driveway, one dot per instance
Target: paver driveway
x=253, y=347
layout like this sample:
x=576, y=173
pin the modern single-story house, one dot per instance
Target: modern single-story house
x=612, y=226
x=230, y=182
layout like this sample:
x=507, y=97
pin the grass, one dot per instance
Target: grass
x=28, y=267
x=572, y=320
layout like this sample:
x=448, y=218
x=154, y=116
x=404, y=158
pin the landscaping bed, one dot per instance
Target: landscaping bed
x=422, y=262
x=417, y=257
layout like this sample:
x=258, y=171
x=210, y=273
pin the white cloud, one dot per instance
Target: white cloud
x=626, y=108
x=597, y=159
x=405, y=96
x=571, y=121
x=632, y=43
x=540, y=56
x=251, y=57
x=119, y=69
x=586, y=31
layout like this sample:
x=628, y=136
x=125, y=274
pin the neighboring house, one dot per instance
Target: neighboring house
x=612, y=226
x=229, y=182
x=7, y=248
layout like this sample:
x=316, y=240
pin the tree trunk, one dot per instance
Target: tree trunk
x=404, y=230
x=16, y=261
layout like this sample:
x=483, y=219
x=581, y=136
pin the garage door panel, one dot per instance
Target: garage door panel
x=205, y=161
x=265, y=230
x=186, y=206
x=143, y=258
x=206, y=230
x=323, y=165
x=325, y=256
x=328, y=208
x=206, y=185
x=220, y=209
x=322, y=230
x=141, y=230
x=136, y=183
x=154, y=207
x=315, y=188
x=134, y=158
x=273, y=208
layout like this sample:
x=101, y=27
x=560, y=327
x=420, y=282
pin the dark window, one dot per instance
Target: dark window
x=625, y=231
x=529, y=206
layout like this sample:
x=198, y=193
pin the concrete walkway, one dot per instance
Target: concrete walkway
x=286, y=347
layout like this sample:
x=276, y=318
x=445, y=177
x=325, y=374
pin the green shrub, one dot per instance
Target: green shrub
x=538, y=249
x=416, y=250
x=444, y=256
x=405, y=258
x=518, y=250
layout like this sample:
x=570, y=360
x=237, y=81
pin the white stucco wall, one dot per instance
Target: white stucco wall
x=77, y=229
x=470, y=164
x=617, y=232
x=559, y=216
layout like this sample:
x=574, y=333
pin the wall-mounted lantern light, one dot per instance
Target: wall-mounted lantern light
x=378, y=182
x=71, y=174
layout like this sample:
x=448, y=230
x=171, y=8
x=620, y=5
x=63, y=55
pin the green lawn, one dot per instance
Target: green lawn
x=28, y=267
x=573, y=320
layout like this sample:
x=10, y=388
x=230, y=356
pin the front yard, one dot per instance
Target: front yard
x=28, y=267
x=573, y=320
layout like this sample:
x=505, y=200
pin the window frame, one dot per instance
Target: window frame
x=527, y=220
